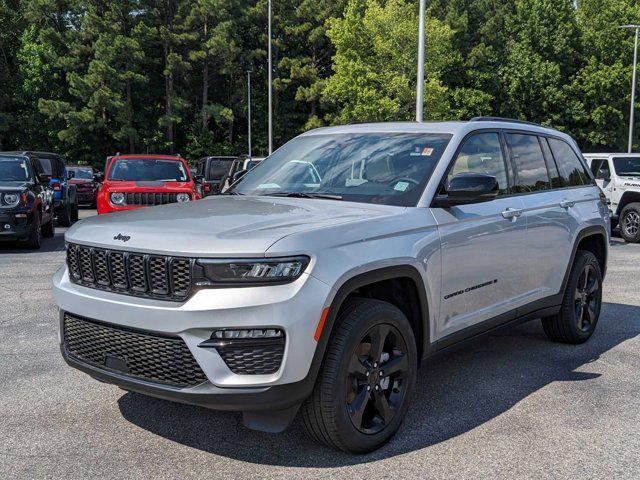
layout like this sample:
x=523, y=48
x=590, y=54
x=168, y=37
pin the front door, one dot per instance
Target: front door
x=482, y=244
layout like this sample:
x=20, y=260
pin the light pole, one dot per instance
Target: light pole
x=249, y=108
x=633, y=85
x=270, y=87
x=420, y=79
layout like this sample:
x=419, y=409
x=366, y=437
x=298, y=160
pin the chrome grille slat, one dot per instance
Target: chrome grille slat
x=130, y=273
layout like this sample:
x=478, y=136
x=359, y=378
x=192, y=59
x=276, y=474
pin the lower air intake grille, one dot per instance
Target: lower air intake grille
x=137, y=354
x=256, y=360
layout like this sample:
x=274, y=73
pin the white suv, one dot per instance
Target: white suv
x=618, y=175
x=332, y=270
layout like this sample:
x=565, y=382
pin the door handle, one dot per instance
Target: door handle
x=511, y=213
x=567, y=203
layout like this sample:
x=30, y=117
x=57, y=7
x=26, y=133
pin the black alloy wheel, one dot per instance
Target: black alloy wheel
x=587, y=300
x=376, y=381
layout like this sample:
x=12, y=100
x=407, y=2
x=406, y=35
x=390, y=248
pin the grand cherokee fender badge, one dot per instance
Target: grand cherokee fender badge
x=124, y=238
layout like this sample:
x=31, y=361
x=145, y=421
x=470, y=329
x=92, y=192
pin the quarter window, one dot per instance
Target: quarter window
x=529, y=164
x=571, y=168
x=482, y=153
x=556, y=179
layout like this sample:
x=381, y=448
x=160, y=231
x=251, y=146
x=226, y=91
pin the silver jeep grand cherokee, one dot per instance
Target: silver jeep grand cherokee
x=331, y=271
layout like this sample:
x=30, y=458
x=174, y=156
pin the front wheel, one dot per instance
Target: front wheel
x=35, y=237
x=74, y=212
x=367, y=378
x=582, y=301
x=630, y=223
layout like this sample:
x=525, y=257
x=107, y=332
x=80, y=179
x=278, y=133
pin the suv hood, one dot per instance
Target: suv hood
x=147, y=186
x=218, y=226
x=11, y=186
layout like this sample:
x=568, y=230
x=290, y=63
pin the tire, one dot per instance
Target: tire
x=331, y=415
x=581, y=304
x=64, y=217
x=48, y=230
x=630, y=223
x=74, y=212
x=34, y=242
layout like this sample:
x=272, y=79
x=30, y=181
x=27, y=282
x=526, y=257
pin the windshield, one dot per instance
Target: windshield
x=148, y=169
x=82, y=173
x=382, y=168
x=629, y=166
x=14, y=169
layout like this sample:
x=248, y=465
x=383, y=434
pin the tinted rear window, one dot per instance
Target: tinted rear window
x=572, y=171
x=529, y=164
x=218, y=169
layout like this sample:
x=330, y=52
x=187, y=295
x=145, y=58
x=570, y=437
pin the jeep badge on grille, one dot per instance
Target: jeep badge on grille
x=124, y=238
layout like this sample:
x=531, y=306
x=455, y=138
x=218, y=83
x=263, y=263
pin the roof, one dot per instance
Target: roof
x=150, y=155
x=451, y=128
x=592, y=155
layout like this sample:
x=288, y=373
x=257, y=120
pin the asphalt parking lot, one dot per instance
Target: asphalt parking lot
x=510, y=405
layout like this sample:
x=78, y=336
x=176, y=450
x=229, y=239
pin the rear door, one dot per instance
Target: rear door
x=481, y=244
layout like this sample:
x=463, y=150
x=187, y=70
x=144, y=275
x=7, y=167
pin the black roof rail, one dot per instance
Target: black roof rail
x=509, y=120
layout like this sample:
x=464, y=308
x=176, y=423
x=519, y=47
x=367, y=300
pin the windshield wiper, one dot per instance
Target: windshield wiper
x=323, y=196
x=231, y=193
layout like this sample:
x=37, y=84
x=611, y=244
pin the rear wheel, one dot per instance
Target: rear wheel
x=367, y=378
x=581, y=304
x=48, y=230
x=74, y=212
x=64, y=216
x=35, y=237
x=630, y=223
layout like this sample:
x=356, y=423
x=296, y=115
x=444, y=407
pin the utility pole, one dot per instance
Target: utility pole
x=270, y=87
x=633, y=86
x=249, y=108
x=420, y=79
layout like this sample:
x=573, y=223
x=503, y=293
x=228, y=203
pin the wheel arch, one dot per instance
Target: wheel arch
x=594, y=239
x=379, y=284
x=628, y=197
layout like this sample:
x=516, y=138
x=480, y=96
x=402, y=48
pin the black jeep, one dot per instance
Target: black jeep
x=26, y=200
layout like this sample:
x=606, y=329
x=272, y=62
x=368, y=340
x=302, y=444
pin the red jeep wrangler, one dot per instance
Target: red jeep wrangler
x=135, y=181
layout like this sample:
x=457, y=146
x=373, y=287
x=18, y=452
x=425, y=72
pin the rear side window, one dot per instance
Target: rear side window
x=218, y=169
x=482, y=153
x=573, y=172
x=530, y=167
x=556, y=179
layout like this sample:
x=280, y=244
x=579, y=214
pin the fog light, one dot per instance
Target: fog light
x=233, y=334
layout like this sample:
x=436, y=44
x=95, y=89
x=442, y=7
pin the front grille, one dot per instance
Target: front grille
x=253, y=360
x=150, y=198
x=164, y=278
x=134, y=353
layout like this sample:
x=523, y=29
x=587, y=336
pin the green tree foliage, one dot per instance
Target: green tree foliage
x=88, y=78
x=375, y=63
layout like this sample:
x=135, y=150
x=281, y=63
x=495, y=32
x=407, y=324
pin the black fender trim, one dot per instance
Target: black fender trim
x=586, y=232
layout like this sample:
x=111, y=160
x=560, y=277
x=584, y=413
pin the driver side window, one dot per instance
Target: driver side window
x=482, y=153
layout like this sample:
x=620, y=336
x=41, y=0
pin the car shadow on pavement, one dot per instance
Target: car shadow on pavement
x=455, y=393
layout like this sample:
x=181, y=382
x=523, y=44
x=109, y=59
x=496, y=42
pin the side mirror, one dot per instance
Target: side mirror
x=98, y=177
x=605, y=175
x=198, y=178
x=239, y=174
x=44, y=178
x=71, y=174
x=468, y=188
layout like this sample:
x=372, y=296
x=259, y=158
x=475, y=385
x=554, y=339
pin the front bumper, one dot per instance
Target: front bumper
x=15, y=225
x=295, y=308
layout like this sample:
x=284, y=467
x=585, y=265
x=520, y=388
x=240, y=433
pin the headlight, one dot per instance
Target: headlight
x=250, y=271
x=10, y=199
x=183, y=197
x=117, y=198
